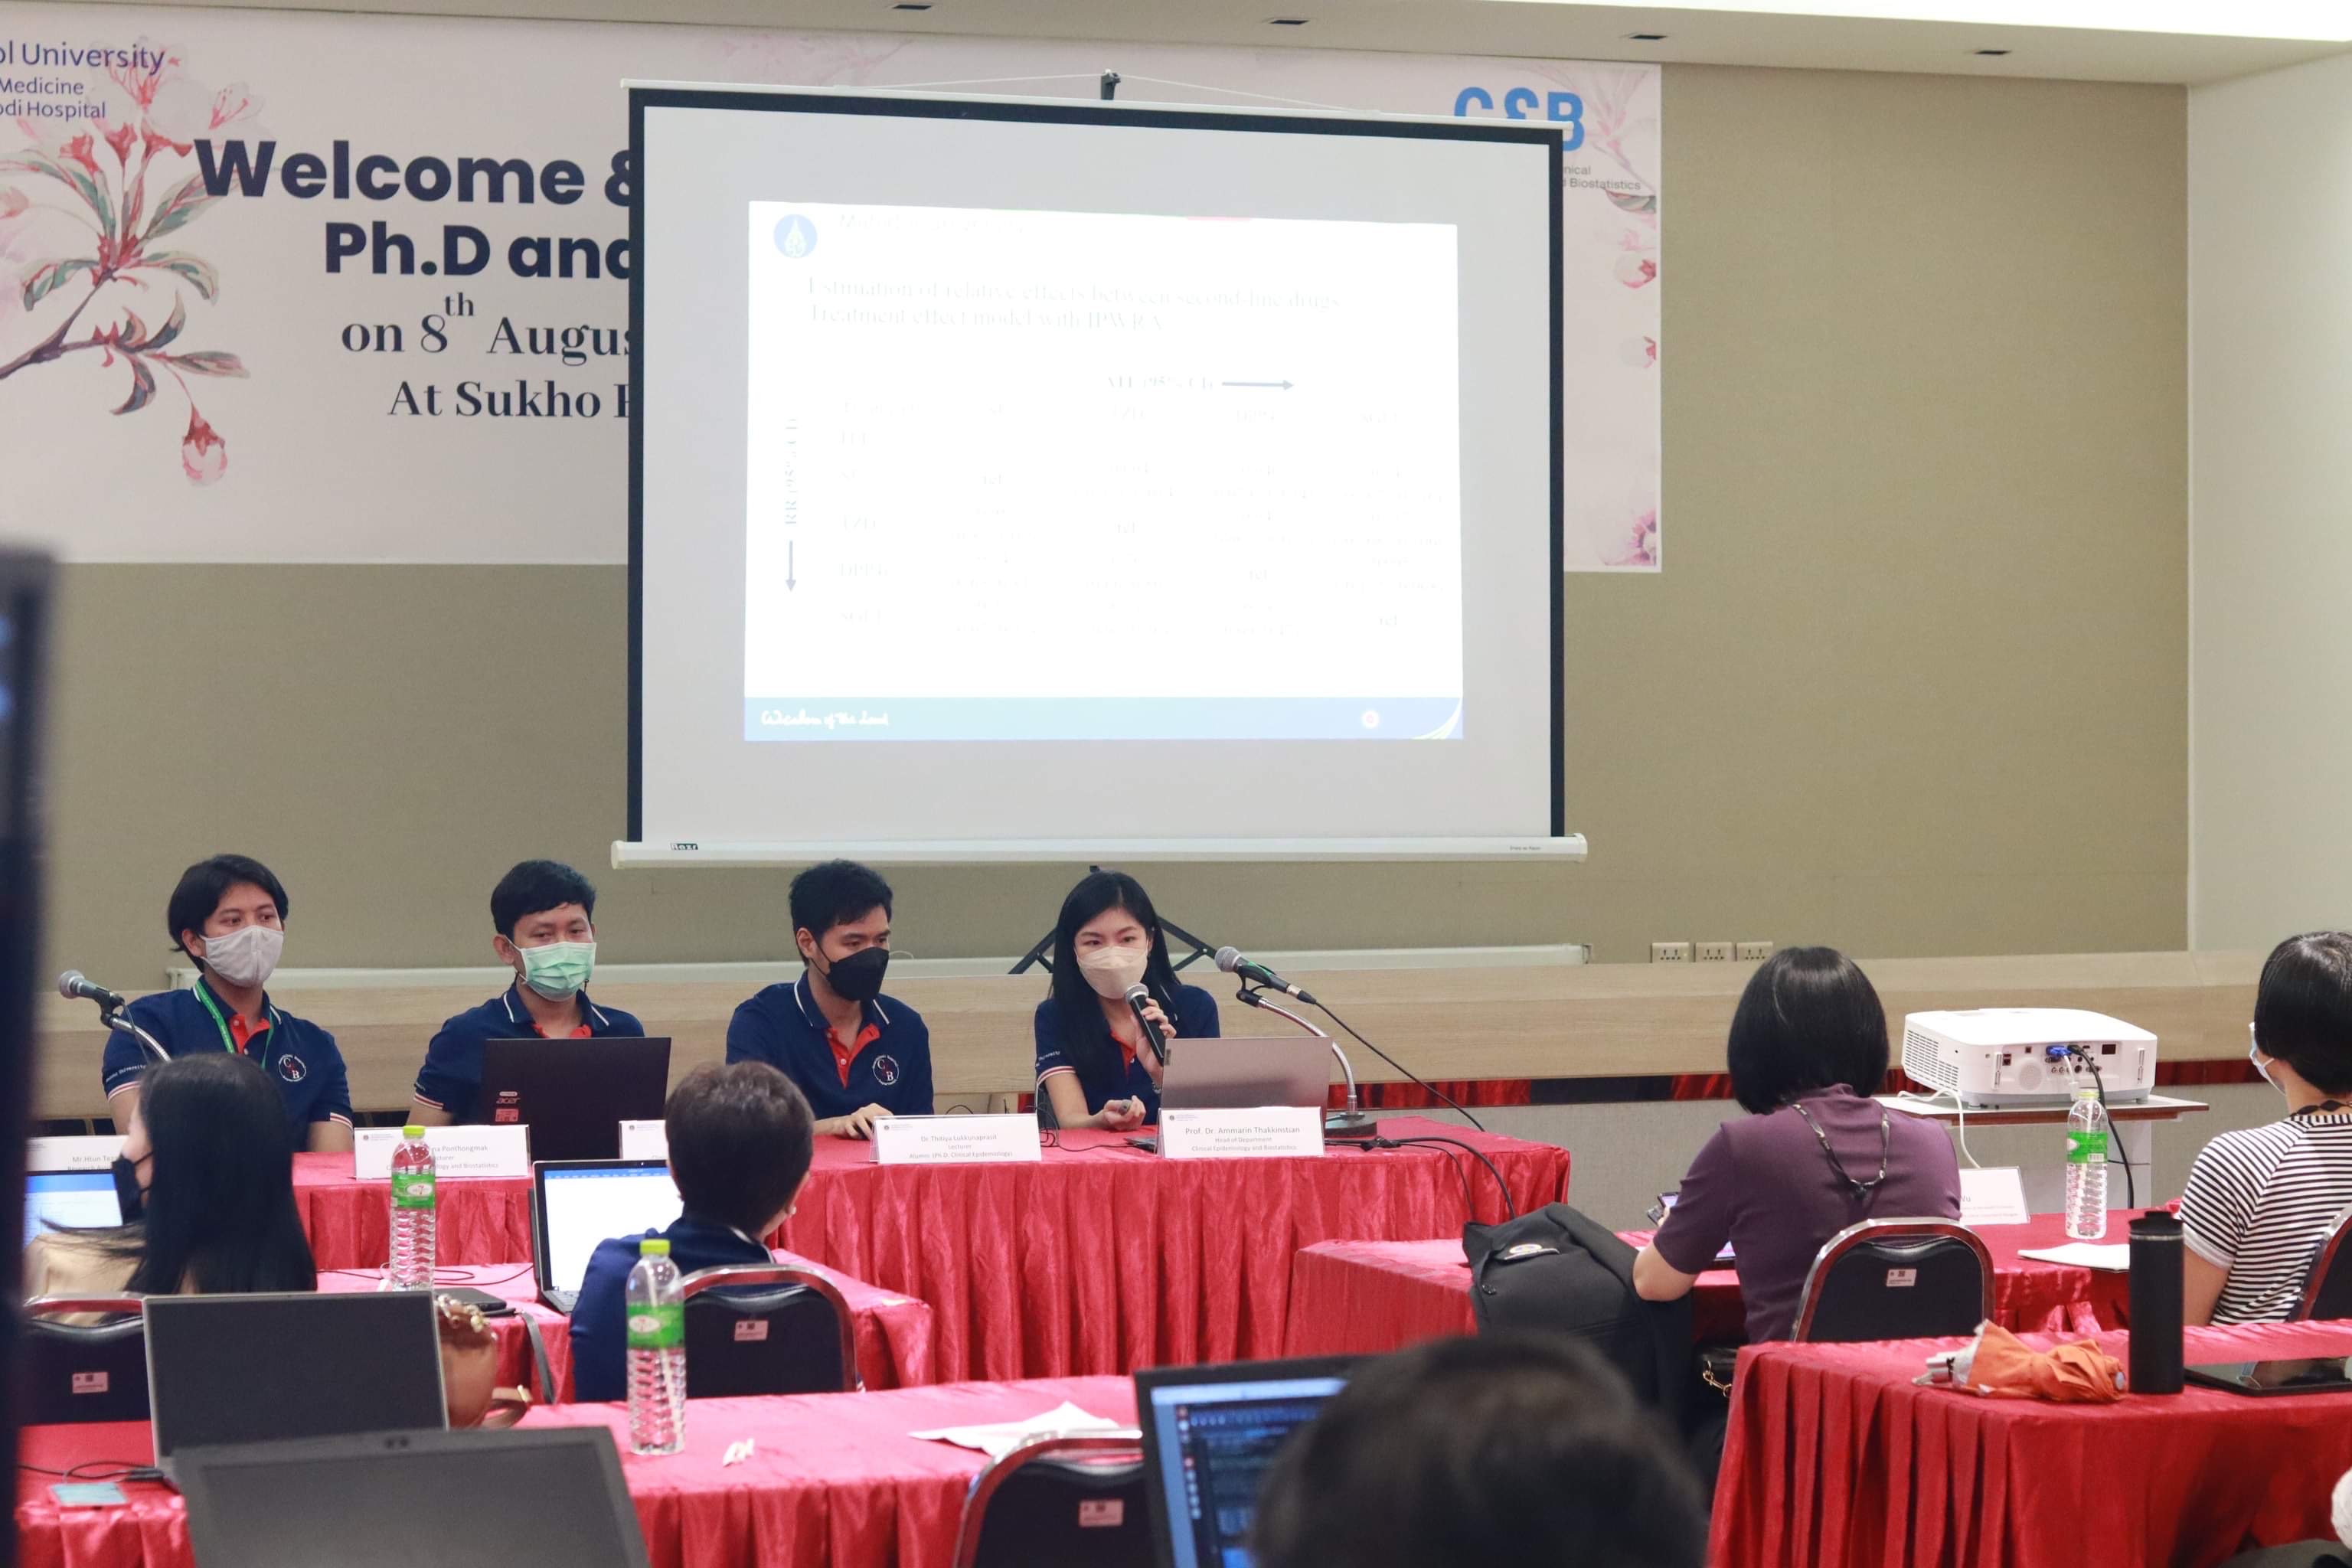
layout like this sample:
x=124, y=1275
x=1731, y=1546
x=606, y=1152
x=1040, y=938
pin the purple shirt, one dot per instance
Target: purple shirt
x=1763, y=1184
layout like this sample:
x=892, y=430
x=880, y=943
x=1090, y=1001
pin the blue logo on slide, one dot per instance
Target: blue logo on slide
x=795, y=235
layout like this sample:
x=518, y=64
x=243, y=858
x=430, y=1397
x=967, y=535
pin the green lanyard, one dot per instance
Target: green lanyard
x=228, y=1041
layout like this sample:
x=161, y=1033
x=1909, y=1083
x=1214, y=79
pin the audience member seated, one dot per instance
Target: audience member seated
x=206, y=1176
x=1094, y=1067
x=543, y=915
x=740, y=1143
x=228, y=914
x=2259, y=1202
x=1501, y=1450
x=1815, y=1153
x=857, y=1055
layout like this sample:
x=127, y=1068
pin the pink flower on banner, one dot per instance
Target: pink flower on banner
x=82, y=151
x=1642, y=549
x=157, y=141
x=120, y=138
x=203, y=453
x=11, y=201
x=141, y=83
x=233, y=102
x=1636, y=271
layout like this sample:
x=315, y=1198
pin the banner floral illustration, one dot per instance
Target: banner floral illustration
x=106, y=170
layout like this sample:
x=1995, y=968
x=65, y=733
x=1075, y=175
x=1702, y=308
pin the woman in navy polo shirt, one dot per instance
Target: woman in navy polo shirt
x=228, y=913
x=1094, y=1067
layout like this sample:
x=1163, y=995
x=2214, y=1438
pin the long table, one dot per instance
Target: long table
x=892, y=1333
x=1099, y=1259
x=832, y=1478
x=1368, y=1297
x=1835, y=1458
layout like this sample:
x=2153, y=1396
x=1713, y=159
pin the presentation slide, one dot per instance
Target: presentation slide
x=1239, y=432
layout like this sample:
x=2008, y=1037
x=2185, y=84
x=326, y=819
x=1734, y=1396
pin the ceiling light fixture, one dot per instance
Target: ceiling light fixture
x=2315, y=21
x=1992, y=54
x=1285, y=21
x=1647, y=37
x=912, y=5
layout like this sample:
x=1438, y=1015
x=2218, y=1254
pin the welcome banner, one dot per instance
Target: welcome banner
x=281, y=287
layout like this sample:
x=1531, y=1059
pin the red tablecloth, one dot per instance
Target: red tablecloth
x=1099, y=1258
x=1835, y=1459
x=893, y=1333
x=1103, y=1259
x=1367, y=1297
x=833, y=1479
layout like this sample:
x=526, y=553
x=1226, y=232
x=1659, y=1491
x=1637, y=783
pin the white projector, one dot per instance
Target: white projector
x=1996, y=1056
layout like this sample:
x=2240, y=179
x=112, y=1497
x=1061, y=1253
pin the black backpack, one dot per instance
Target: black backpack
x=1558, y=1270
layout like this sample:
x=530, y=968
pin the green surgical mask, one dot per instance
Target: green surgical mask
x=559, y=969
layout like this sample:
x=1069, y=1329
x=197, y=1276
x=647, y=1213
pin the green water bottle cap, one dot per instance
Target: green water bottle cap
x=653, y=1246
x=412, y=1132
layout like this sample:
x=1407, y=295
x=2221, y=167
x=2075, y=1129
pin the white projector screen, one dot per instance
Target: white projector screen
x=1015, y=477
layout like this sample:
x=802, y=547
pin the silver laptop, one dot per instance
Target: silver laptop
x=395, y=1500
x=577, y=1204
x=253, y=1369
x=1243, y=1074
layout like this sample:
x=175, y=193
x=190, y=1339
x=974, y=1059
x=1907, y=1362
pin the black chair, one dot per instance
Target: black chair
x=2327, y=1288
x=83, y=1371
x=793, y=1339
x=1060, y=1502
x=1896, y=1280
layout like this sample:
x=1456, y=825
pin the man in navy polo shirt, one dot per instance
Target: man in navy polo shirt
x=544, y=915
x=228, y=913
x=857, y=1055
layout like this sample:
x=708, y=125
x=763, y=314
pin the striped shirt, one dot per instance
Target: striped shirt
x=2258, y=1204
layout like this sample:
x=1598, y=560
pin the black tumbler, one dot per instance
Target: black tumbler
x=2155, y=1303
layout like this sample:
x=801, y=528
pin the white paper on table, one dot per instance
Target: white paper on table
x=2112, y=1257
x=998, y=1440
x=1992, y=1195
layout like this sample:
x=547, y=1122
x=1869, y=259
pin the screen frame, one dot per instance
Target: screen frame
x=1150, y=1380
x=806, y=100
x=541, y=1241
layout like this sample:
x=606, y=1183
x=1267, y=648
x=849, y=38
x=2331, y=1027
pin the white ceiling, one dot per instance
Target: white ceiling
x=1565, y=29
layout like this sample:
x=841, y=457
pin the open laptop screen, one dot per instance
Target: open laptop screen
x=583, y=1204
x=1209, y=1444
x=78, y=1200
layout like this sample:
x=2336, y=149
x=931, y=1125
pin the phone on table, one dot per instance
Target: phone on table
x=491, y=1306
x=1665, y=1205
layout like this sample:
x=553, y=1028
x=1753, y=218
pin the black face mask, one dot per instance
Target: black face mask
x=126, y=1190
x=858, y=977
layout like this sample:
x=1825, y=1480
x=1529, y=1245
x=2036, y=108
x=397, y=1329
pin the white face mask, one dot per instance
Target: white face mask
x=2255, y=1055
x=246, y=956
x=1111, y=970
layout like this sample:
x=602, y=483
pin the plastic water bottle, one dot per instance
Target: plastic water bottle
x=414, y=1193
x=2086, y=1167
x=657, y=1315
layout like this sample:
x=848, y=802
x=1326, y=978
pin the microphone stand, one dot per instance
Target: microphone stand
x=1350, y=1123
x=147, y=1042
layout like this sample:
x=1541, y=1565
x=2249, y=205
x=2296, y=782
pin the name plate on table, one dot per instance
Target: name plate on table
x=457, y=1151
x=1269, y=1132
x=81, y=1154
x=644, y=1140
x=1992, y=1195
x=955, y=1140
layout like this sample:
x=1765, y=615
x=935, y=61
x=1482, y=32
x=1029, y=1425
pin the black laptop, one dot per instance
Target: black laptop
x=1209, y=1434
x=573, y=1094
x=456, y=1499
x=258, y=1368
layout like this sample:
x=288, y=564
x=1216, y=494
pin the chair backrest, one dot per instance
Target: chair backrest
x=1060, y=1502
x=1896, y=1280
x=792, y=1338
x=83, y=1371
x=2327, y=1288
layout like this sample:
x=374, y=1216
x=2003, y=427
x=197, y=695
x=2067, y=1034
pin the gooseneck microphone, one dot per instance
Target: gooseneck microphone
x=1231, y=961
x=1137, y=996
x=75, y=986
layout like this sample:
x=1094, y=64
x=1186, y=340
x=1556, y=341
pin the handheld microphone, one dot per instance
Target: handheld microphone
x=1137, y=996
x=75, y=986
x=1231, y=961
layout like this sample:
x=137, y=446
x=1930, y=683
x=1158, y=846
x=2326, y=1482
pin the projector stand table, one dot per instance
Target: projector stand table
x=2044, y=1180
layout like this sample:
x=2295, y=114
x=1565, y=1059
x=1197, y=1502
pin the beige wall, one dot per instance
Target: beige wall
x=1911, y=683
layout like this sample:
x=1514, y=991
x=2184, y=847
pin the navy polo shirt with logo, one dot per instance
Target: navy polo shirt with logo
x=451, y=1078
x=1194, y=1015
x=783, y=1027
x=300, y=1057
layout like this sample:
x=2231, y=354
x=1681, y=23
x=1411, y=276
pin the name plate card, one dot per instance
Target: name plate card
x=1992, y=1195
x=457, y=1151
x=644, y=1140
x=956, y=1140
x=85, y=1152
x=1270, y=1132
